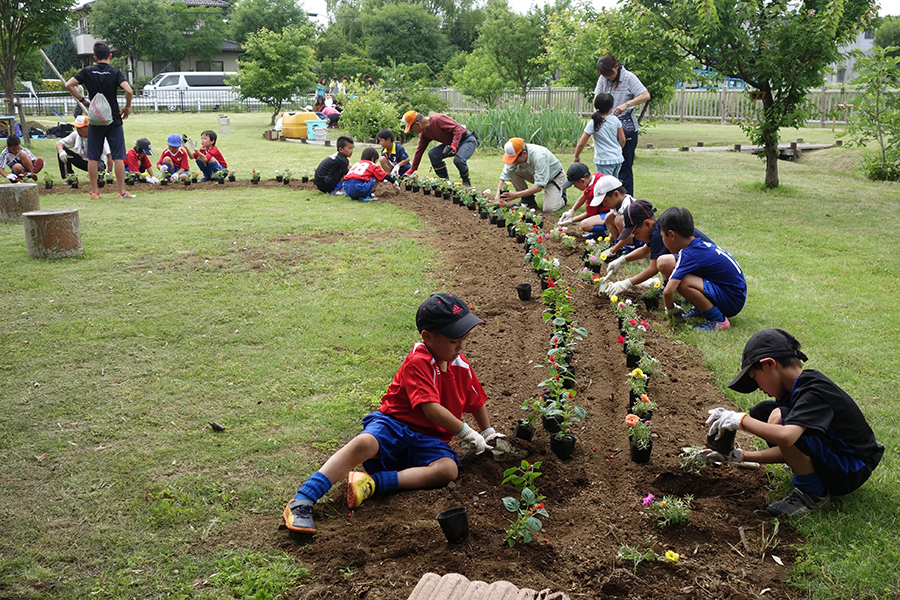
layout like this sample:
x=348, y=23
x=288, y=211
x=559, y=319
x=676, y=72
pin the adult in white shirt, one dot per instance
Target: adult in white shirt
x=72, y=150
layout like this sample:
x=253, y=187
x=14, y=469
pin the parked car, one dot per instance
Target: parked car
x=177, y=90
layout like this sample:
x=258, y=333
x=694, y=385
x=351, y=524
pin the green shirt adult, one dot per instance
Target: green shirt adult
x=541, y=166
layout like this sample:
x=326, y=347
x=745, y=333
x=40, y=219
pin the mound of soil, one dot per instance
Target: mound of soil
x=381, y=549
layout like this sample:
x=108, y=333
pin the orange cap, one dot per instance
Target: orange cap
x=512, y=149
x=409, y=118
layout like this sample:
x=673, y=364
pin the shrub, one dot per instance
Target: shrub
x=551, y=128
x=877, y=169
x=367, y=113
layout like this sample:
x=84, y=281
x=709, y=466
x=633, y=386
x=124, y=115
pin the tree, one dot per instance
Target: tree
x=61, y=53
x=877, y=111
x=480, y=80
x=133, y=28
x=889, y=34
x=780, y=48
x=404, y=34
x=579, y=37
x=515, y=44
x=25, y=26
x=249, y=16
x=276, y=67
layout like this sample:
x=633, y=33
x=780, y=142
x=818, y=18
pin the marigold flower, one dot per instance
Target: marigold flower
x=644, y=398
x=632, y=420
x=672, y=556
x=646, y=501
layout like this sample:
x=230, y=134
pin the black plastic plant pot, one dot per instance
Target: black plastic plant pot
x=484, y=215
x=501, y=223
x=278, y=178
x=254, y=181
x=551, y=424
x=447, y=195
x=544, y=283
x=415, y=188
x=563, y=447
x=632, y=360
x=493, y=219
x=641, y=456
x=651, y=303
x=163, y=182
x=221, y=181
x=524, y=291
x=48, y=185
x=101, y=183
x=409, y=188
x=231, y=178
x=187, y=182
x=724, y=444
x=455, y=524
x=523, y=431
x=520, y=238
x=304, y=179
x=426, y=191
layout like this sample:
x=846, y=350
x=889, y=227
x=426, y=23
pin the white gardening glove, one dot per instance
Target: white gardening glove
x=721, y=419
x=164, y=168
x=674, y=311
x=470, y=441
x=650, y=282
x=566, y=218
x=616, y=265
x=711, y=456
x=13, y=177
x=191, y=144
x=396, y=170
x=152, y=180
x=614, y=289
x=63, y=156
x=490, y=435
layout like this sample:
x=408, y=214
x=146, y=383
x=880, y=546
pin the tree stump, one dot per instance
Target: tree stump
x=17, y=198
x=52, y=233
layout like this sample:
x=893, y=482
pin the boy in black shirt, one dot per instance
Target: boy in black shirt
x=813, y=425
x=330, y=172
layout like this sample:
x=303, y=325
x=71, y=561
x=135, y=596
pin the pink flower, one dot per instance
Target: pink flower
x=632, y=321
x=620, y=339
x=632, y=420
x=646, y=501
x=645, y=323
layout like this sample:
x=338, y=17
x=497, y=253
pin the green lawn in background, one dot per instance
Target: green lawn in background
x=283, y=316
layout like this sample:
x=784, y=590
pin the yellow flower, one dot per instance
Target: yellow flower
x=603, y=256
x=614, y=299
x=657, y=285
x=672, y=556
x=662, y=502
x=637, y=373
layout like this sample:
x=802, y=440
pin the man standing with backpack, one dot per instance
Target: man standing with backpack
x=102, y=81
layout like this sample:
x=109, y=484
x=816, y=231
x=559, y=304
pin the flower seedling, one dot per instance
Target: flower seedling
x=527, y=510
x=638, y=431
x=693, y=461
x=672, y=510
x=637, y=381
x=643, y=406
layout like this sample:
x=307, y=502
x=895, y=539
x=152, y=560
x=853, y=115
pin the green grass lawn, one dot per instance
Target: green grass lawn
x=283, y=316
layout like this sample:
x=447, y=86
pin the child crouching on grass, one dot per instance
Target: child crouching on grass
x=208, y=157
x=405, y=443
x=364, y=175
x=813, y=425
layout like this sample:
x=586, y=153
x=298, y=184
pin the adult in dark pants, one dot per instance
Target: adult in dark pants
x=103, y=78
x=453, y=140
x=627, y=92
x=72, y=150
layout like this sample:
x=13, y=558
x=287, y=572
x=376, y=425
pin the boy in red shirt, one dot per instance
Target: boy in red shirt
x=174, y=159
x=592, y=219
x=360, y=180
x=405, y=443
x=136, y=160
x=209, y=158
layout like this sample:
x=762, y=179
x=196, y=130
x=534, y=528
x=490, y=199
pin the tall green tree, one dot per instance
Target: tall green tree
x=578, y=37
x=479, y=80
x=888, y=34
x=249, y=16
x=133, y=28
x=780, y=48
x=515, y=44
x=25, y=26
x=61, y=52
x=275, y=67
x=404, y=34
x=876, y=116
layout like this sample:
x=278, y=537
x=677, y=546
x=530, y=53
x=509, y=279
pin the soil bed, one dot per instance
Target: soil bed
x=382, y=549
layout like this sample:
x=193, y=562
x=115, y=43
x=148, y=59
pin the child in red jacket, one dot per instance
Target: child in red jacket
x=174, y=160
x=362, y=177
x=209, y=158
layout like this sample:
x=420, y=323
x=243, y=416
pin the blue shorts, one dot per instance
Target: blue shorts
x=399, y=447
x=358, y=189
x=729, y=303
x=113, y=134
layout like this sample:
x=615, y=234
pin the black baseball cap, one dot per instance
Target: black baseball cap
x=143, y=145
x=636, y=213
x=768, y=343
x=447, y=315
x=575, y=173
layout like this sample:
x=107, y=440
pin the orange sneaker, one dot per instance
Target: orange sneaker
x=359, y=487
x=95, y=196
x=125, y=195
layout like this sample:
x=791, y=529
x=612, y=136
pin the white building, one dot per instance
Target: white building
x=843, y=71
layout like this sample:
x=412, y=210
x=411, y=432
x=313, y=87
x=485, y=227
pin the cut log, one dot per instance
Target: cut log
x=52, y=233
x=18, y=198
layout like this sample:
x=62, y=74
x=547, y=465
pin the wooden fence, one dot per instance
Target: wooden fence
x=724, y=106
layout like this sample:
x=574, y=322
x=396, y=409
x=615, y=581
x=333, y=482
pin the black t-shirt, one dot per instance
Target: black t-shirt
x=832, y=419
x=102, y=78
x=657, y=248
x=333, y=168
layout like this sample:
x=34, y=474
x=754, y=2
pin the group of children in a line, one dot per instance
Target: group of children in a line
x=334, y=174
x=175, y=159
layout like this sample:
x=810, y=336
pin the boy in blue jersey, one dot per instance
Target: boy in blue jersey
x=394, y=158
x=813, y=425
x=704, y=274
x=640, y=221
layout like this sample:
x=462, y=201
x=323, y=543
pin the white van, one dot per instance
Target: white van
x=190, y=88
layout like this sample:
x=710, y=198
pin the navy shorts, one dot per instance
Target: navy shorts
x=399, y=447
x=728, y=302
x=359, y=189
x=113, y=134
x=839, y=472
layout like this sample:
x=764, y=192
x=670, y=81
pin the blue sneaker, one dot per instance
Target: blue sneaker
x=713, y=325
x=691, y=314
